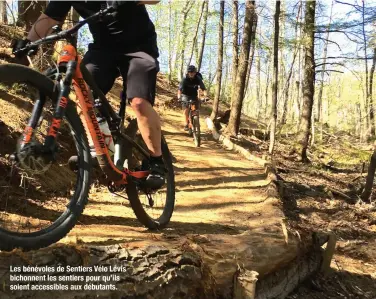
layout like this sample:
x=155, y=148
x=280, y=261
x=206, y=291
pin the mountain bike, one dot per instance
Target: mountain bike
x=41, y=198
x=193, y=118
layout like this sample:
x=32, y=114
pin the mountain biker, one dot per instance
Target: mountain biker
x=188, y=89
x=127, y=43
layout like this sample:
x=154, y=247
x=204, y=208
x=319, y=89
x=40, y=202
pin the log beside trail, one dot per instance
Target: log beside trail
x=195, y=266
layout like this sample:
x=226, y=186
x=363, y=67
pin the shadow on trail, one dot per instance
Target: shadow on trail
x=209, y=206
x=195, y=189
x=216, y=168
x=174, y=226
x=222, y=180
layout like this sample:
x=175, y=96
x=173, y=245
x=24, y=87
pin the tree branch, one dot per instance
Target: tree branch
x=335, y=71
x=337, y=63
x=329, y=41
x=340, y=31
x=349, y=4
x=345, y=57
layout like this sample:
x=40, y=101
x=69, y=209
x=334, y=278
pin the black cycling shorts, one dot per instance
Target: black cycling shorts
x=139, y=71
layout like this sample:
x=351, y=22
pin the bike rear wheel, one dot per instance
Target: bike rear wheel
x=39, y=203
x=152, y=208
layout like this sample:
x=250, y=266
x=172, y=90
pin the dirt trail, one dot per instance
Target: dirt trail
x=217, y=191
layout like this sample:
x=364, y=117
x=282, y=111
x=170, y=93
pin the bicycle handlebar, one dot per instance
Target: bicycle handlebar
x=65, y=34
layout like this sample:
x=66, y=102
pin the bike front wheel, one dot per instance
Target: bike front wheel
x=40, y=199
x=196, y=130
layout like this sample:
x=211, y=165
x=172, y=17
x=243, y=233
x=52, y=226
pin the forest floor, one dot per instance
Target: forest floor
x=324, y=195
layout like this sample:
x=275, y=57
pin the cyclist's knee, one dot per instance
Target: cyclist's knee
x=139, y=104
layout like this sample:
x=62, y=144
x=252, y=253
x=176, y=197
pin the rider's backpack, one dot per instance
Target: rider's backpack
x=198, y=74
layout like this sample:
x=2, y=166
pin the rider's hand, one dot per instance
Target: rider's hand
x=179, y=99
x=17, y=45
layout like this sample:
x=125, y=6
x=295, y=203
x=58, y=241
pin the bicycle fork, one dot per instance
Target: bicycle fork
x=49, y=148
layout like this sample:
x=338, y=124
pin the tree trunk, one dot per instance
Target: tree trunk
x=275, y=77
x=258, y=85
x=3, y=12
x=176, y=49
x=203, y=36
x=267, y=85
x=29, y=12
x=235, y=38
x=358, y=110
x=309, y=79
x=288, y=80
x=183, y=33
x=319, y=98
x=370, y=94
x=196, y=31
x=370, y=177
x=252, y=54
x=287, y=89
x=238, y=92
x=217, y=94
x=372, y=126
x=169, y=43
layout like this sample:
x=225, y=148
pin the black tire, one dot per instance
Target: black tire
x=13, y=73
x=133, y=192
x=196, y=130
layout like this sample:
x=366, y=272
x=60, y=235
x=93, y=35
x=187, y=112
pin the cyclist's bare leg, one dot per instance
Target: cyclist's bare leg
x=186, y=114
x=149, y=124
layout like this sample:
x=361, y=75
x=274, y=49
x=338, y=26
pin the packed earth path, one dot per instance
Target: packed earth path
x=217, y=191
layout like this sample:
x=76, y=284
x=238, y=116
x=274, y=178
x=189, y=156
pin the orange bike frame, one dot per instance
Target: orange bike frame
x=85, y=99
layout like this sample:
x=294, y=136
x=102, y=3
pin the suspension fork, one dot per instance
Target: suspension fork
x=61, y=105
x=34, y=119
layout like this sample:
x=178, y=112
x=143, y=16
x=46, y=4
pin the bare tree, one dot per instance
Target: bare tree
x=3, y=13
x=217, y=93
x=196, y=31
x=370, y=177
x=309, y=79
x=183, y=34
x=201, y=53
x=235, y=37
x=275, y=76
x=370, y=94
x=369, y=103
x=169, y=43
x=238, y=92
x=252, y=53
x=286, y=89
x=319, y=97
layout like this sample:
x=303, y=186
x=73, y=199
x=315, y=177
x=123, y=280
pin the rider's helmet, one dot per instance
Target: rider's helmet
x=191, y=68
